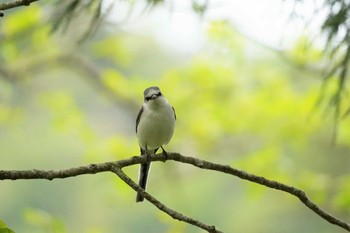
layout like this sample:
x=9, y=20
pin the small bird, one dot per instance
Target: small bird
x=155, y=125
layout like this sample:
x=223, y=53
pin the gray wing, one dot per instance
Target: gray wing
x=139, y=117
x=174, y=112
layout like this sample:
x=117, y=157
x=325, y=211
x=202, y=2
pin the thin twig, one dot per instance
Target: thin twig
x=111, y=167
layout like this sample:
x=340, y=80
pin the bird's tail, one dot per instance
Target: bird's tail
x=143, y=175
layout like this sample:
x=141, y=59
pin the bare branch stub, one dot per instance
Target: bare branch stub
x=13, y=4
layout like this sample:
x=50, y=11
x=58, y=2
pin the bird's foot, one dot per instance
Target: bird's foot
x=148, y=157
x=164, y=153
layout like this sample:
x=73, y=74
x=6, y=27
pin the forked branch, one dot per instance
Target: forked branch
x=116, y=167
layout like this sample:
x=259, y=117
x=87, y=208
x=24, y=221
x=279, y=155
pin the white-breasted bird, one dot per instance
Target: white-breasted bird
x=155, y=125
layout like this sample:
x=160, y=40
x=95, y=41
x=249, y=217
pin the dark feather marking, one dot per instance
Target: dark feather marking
x=139, y=117
x=174, y=112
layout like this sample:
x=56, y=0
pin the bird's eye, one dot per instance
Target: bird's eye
x=148, y=98
x=159, y=94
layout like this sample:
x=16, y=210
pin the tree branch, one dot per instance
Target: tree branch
x=116, y=167
x=162, y=207
x=14, y=4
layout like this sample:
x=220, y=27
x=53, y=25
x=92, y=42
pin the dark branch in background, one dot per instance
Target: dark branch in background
x=337, y=29
x=65, y=13
x=336, y=100
x=80, y=64
x=91, y=73
x=116, y=167
x=88, y=70
x=7, y=74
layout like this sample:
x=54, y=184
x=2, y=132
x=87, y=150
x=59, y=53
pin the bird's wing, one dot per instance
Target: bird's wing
x=174, y=112
x=139, y=117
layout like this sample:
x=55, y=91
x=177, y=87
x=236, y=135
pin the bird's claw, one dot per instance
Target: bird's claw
x=148, y=157
x=164, y=153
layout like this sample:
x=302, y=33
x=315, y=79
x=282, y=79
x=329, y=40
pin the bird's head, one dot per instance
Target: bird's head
x=152, y=93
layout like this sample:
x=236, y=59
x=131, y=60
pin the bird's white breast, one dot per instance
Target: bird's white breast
x=157, y=124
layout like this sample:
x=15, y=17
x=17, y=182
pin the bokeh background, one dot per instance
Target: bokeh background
x=245, y=83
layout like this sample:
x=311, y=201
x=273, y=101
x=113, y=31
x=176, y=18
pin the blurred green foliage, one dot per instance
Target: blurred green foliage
x=4, y=228
x=236, y=104
x=43, y=221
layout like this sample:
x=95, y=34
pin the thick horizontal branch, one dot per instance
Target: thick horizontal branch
x=116, y=166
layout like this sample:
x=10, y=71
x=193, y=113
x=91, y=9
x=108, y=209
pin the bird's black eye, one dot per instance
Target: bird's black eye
x=153, y=96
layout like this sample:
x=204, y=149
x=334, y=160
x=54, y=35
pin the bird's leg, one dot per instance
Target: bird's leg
x=144, y=152
x=148, y=156
x=164, y=153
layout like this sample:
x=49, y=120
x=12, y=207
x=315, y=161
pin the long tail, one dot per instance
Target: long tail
x=143, y=175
